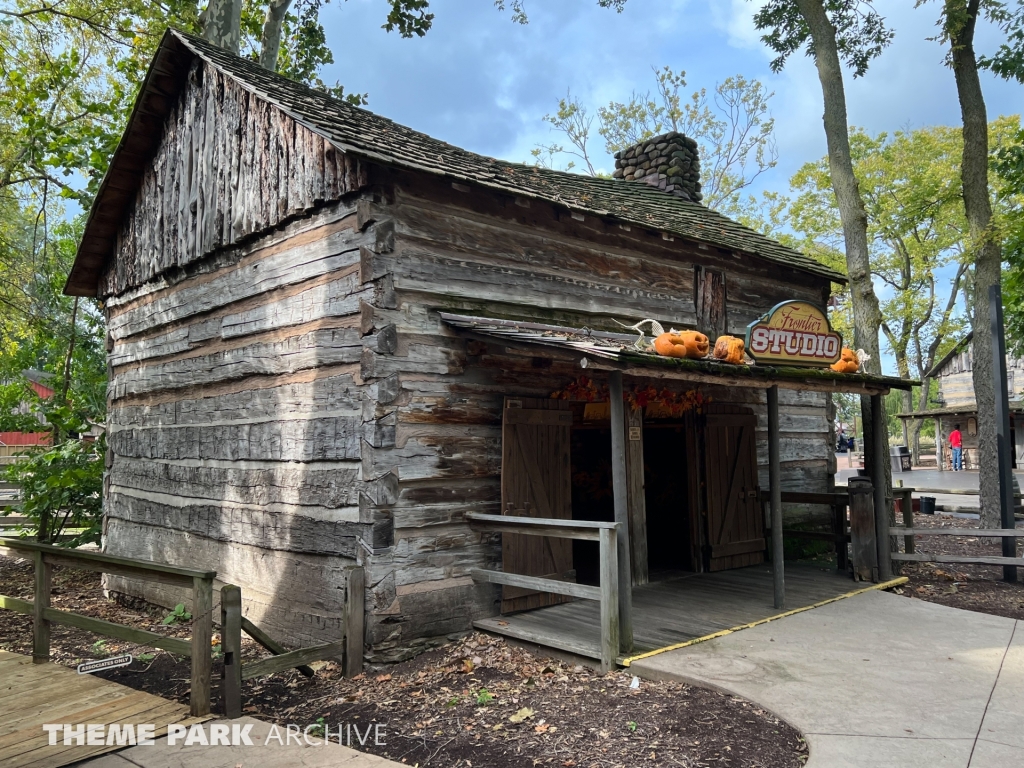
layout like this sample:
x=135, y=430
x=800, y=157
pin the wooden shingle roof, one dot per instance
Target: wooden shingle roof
x=365, y=134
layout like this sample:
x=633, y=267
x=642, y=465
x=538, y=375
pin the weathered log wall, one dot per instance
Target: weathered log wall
x=237, y=404
x=230, y=165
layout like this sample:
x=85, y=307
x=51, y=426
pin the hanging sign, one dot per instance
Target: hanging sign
x=794, y=333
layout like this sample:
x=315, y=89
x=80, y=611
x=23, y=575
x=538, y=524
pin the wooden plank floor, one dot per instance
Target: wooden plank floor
x=676, y=609
x=34, y=694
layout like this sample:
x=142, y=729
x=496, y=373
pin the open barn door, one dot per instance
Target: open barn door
x=535, y=482
x=735, y=522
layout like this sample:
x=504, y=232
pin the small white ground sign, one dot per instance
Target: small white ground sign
x=113, y=662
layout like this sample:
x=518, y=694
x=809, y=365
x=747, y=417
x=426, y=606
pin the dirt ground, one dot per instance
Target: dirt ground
x=971, y=587
x=478, y=701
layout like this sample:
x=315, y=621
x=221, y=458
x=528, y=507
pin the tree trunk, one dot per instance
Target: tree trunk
x=867, y=316
x=270, y=46
x=960, y=18
x=221, y=23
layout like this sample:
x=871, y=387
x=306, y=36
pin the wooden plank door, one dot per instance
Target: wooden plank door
x=735, y=521
x=536, y=481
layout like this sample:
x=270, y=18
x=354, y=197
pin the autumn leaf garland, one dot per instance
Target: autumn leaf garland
x=584, y=389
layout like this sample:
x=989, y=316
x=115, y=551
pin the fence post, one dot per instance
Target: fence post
x=231, y=645
x=907, y=508
x=862, y=529
x=839, y=529
x=41, y=601
x=354, y=620
x=609, y=597
x=202, y=636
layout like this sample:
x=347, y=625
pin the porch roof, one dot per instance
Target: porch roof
x=616, y=351
x=961, y=410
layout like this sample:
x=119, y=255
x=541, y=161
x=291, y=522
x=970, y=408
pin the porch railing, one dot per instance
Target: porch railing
x=200, y=582
x=607, y=594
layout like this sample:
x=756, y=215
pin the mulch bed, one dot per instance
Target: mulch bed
x=971, y=587
x=479, y=701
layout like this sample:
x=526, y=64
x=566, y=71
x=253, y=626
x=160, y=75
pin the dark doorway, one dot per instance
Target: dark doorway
x=666, y=480
x=592, y=499
x=667, y=493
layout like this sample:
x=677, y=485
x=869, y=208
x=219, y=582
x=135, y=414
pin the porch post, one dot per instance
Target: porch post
x=878, y=463
x=619, y=493
x=775, y=489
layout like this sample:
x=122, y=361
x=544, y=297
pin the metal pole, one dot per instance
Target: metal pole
x=877, y=469
x=1006, y=496
x=619, y=495
x=775, y=483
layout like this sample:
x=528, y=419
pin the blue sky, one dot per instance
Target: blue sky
x=481, y=82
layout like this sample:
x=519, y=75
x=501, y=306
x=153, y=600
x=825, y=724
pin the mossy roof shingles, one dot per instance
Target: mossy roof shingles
x=377, y=138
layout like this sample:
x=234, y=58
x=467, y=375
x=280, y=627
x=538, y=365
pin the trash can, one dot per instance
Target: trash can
x=899, y=457
x=927, y=505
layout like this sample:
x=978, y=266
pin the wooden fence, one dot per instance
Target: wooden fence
x=199, y=647
x=606, y=534
x=233, y=623
x=910, y=555
x=200, y=582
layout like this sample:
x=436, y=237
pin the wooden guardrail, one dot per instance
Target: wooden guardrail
x=200, y=582
x=839, y=536
x=233, y=623
x=995, y=533
x=958, y=491
x=606, y=534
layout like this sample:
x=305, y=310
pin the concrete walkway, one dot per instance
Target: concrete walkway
x=260, y=755
x=956, y=503
x=876, y=681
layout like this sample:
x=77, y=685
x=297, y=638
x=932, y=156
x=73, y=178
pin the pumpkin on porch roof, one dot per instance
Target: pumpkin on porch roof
x=729, y=349
x=682, y=344
x=848, y=362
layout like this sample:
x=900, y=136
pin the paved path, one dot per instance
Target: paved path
x=260, y=755
x=876, y=681
x=932, y=478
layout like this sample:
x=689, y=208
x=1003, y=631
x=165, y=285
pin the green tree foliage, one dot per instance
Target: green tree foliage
x=910, y=184
x=61, y=486
x=732, y=126
x=1008, y=165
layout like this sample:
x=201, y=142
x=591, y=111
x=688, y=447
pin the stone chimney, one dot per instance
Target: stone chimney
x=668, y=162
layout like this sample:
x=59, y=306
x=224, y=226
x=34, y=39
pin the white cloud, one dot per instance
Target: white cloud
x=736, y=19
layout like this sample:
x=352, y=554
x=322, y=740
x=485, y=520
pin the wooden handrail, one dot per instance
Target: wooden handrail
x=587, y=530
x=1000, y=533
x=583, y=530
x=104, y=559
x=45, y=556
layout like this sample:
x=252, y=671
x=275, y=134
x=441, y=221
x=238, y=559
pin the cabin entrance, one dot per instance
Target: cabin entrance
x=671, y=527
x=699, y=510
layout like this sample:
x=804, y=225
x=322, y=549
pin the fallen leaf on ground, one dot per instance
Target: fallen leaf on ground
x=523, y=714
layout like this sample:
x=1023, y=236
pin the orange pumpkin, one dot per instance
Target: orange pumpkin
x=682, y=344
x=848, y=362
x=729, y=349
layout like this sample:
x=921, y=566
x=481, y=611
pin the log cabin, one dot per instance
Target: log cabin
x=335, y=340
x=955, y=404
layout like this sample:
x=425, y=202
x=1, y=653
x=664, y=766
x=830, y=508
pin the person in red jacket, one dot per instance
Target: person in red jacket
x=957, y=444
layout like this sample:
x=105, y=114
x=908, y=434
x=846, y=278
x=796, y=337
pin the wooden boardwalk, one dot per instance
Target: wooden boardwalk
x=34, y=694
x=676, y=609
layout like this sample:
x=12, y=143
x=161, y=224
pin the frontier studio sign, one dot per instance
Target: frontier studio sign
x=794, y=333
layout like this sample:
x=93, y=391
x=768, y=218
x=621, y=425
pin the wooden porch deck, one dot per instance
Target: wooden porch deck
x=34, y=694
x=676, y=609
